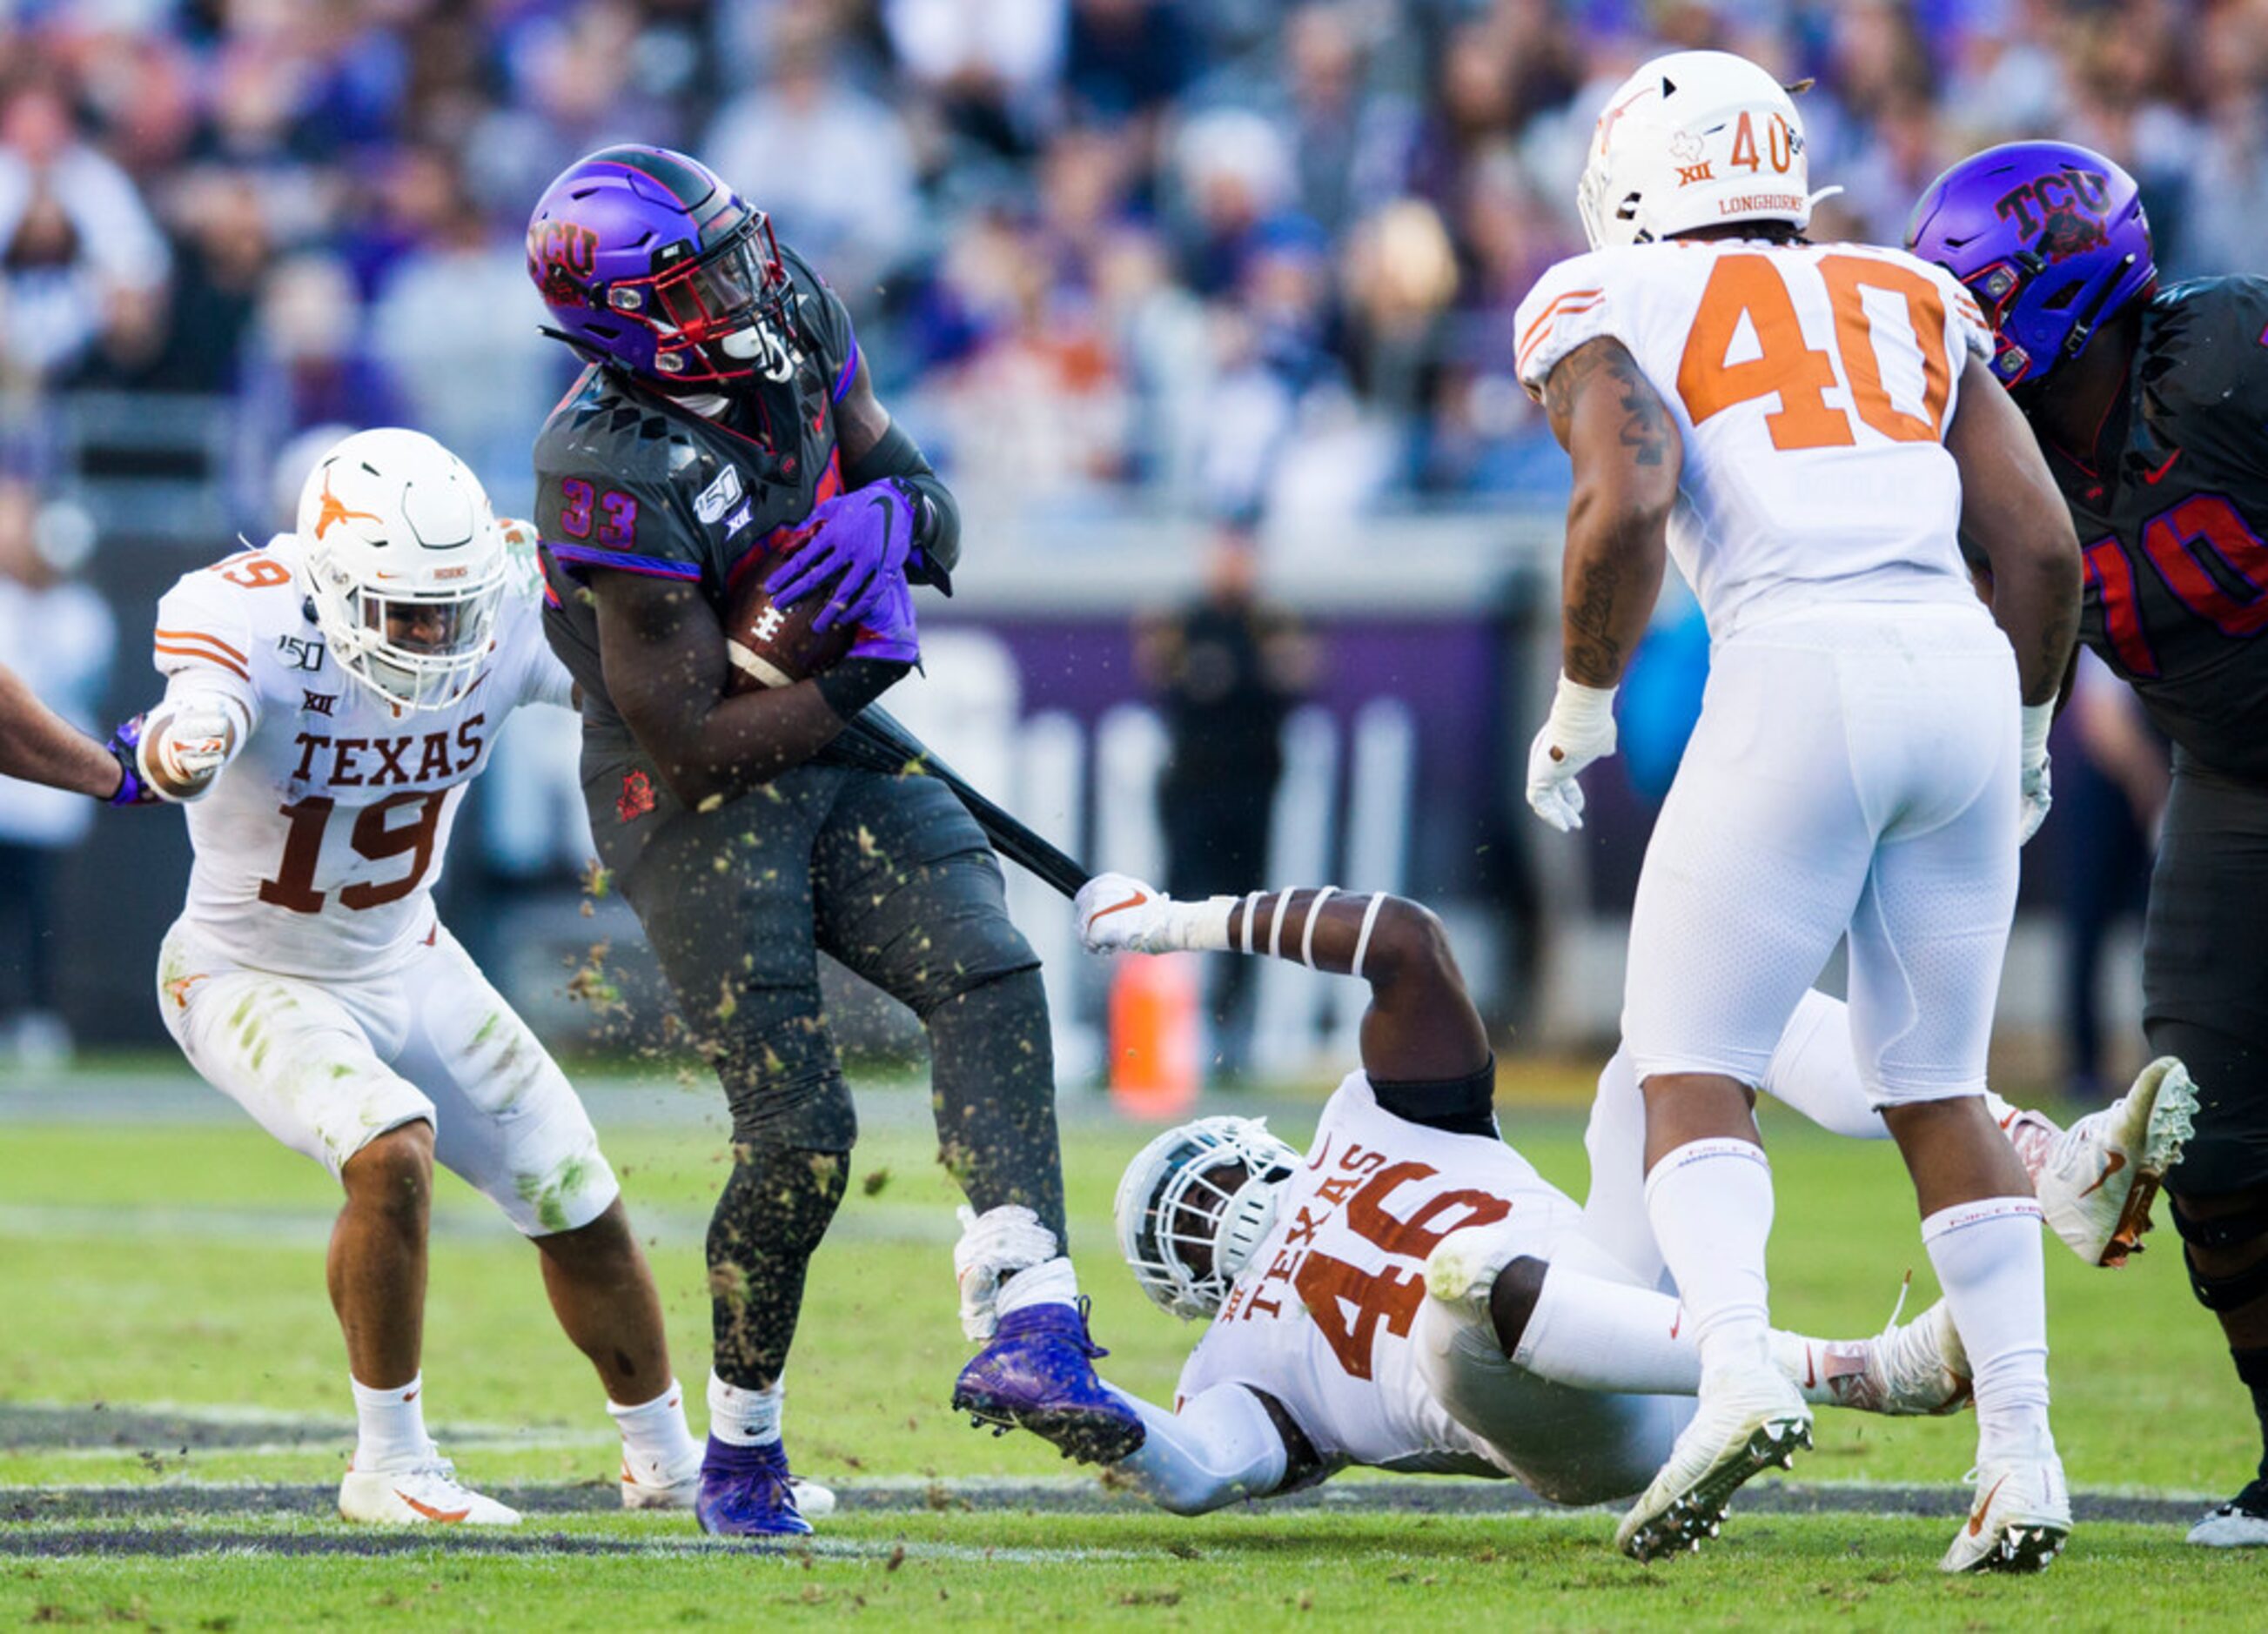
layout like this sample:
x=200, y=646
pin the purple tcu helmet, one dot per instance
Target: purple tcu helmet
x=2049, y=237
x=647, y=260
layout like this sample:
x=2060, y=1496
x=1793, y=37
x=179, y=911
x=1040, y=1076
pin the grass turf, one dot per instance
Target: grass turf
x=184, y=1266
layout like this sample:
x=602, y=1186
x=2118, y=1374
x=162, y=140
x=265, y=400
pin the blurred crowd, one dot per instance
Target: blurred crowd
x=1236, y=257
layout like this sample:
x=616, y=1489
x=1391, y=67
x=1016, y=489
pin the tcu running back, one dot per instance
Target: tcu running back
x=327, y=699
x=1808, y=428
x=1409, y=1293
x=2153, y=407
x=726, y=427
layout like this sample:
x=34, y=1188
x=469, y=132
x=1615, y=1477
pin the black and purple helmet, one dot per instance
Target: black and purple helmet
x=2050, y=239
x=647, y=260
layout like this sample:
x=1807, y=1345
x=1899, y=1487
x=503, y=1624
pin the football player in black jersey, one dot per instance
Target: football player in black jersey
x=2151, y=406
x=726, y=426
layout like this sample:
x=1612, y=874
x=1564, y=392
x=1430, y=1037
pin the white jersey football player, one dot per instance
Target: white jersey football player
x=1806, y=429
x=328, y=700
x=1409, y=1294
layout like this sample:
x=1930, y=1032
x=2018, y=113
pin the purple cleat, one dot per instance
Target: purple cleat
x=745, y=1492
x=1038, y=1374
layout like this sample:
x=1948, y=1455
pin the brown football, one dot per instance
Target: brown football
x=771, y=645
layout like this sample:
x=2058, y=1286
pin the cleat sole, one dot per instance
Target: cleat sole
x=2166, y=1134
x=1698, y=1514
x=2024, y=1549
x=1090, y=1436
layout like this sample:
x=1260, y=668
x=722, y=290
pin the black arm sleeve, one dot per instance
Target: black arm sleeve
x=937, y=535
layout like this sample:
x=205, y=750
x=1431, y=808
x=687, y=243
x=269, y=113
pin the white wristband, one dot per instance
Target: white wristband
x=2037, y=719
x=1579, y=711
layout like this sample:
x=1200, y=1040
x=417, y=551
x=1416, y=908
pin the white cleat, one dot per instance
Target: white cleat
x=428, y=1495
x=1745, y=1425
x=1907, y=1371
x=663, y=1494
x=2240, y=1523
x=2019, y=1522
x=2102, y=1174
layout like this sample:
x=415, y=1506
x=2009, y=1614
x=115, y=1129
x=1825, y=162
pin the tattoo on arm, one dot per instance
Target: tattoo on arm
x=1590, y=653
x=1646, y=428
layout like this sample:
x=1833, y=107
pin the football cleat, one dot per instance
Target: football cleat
x=2240, y=1523
x=2102, y=1174
x=423, y=1495
x=2020, y=1522
x=1747, y=1423
x=813, y=1501
x=1903, y=1371
x=746, y=1492
x=1038, y=1374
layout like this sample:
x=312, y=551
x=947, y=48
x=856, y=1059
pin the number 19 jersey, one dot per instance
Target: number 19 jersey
x=1321, y=1318
x=317, y=851
x=1811, y=386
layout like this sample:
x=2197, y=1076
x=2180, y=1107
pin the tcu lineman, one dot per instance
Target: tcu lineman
x=726, y=427
x=1806, y=428
x=1411, y=1294
x=327, y=699
x=2152, y=407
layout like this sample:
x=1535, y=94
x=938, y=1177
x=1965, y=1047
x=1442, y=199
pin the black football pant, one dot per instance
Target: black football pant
x=892, y=877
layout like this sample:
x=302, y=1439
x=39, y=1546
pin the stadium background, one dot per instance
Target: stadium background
x=1134, y=271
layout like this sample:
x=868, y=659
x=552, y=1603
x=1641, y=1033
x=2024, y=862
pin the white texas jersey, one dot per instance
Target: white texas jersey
x=1811, y=386
x=1321, y=1319
x=319, y=846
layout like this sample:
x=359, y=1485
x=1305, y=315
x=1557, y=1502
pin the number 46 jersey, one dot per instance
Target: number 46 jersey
x=1811, y=386
x=318, y=847
x=1323, y=1317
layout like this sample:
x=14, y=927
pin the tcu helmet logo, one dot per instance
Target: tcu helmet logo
x=2061, y=213
x=561, y=256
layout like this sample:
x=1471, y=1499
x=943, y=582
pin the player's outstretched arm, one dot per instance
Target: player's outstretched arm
x=1421, y=1025
x=2011, y=510
x=1222, y=1447
x=1627, y=457
x=666, y=668
x=42, y=746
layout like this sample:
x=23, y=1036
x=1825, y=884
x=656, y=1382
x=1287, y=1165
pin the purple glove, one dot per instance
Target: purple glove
x=865, y=536
x=886, y=633
x=125, y=740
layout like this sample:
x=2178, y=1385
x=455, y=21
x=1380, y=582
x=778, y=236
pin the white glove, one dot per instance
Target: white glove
x=183, y=751
x=1579, y=730
x=995, y=1244
x=1118, y=913
x=2037, y=794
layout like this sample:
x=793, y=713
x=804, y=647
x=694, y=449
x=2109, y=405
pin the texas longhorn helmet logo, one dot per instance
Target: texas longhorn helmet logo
x=334, y=510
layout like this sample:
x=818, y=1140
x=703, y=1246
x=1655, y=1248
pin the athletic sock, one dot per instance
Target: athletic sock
x=1710, y=1202
x=2033, y=1134
x=1988, y=1259
x=1598, y=1335
x=657, y=1447
x=1050, y=1282
x=390, y=1426
x=741, y=1418
x=2252, y=1372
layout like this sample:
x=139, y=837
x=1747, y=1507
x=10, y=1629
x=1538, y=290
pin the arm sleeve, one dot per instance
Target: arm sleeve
x=1219, y=1449
x=203, y=645
x=1967, y=335
x=1569, y=306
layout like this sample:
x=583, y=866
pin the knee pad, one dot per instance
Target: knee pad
x=2233, y=1232
x=789, y=1091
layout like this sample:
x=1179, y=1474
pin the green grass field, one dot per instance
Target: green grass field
x=148, y=1266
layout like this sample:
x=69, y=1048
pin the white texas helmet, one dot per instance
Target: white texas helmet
x=1693, y=139
x=1225, y=1172
x=406, y=564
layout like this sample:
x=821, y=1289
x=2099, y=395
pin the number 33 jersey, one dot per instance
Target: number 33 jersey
x=318, y=847
x=1321, y=1318
x=1810, y=387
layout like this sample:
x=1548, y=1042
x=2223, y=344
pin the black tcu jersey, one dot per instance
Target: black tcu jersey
x=627, y=479
x=2173, y=524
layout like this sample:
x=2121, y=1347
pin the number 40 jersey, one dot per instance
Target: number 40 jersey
x=1811, y=386
x=319, y=846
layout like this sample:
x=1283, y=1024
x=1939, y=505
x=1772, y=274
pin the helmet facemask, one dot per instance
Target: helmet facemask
x=418, y=650
x=720, y=315
x=1194, y=1207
